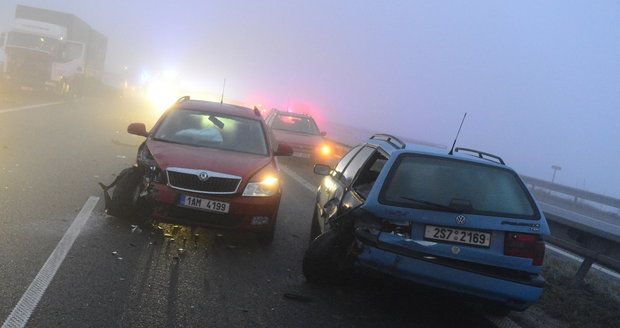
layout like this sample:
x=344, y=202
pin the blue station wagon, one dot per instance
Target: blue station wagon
x=461, y=221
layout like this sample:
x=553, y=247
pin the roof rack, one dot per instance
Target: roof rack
x=392, y=140
x=482, y=155
x=182, y=99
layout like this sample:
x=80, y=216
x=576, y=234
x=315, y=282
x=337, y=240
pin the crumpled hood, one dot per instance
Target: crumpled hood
x=201, y=158
x=293, y=138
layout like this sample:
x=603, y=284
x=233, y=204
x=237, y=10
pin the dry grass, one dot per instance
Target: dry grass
x=595, y=304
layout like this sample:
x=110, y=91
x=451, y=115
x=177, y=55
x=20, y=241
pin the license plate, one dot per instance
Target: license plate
x=204, y=204
x=458, y=236
x=302, y=155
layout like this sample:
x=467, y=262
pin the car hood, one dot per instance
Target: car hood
x=201, y=158
x=294, y=138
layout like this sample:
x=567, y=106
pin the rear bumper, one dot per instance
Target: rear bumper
x=517, y=295
x=240, y=216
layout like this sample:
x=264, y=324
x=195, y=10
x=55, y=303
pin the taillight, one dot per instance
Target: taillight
x=525, y=245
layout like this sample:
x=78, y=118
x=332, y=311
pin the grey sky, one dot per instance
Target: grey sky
x=540, y=79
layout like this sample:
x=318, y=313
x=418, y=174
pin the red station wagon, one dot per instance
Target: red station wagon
x=210, y=164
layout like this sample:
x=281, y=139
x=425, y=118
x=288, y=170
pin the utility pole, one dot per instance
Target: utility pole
x=555, y=169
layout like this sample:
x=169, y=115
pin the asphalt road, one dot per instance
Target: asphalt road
x=51, y=159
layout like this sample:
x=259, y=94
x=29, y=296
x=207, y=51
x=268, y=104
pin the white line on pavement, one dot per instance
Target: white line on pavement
x=26, y=305
x=17, y=109
x=298, y=178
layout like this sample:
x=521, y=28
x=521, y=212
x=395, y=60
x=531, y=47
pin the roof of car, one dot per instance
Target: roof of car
x=292, y=114
x=217, y=108
x=391, y=148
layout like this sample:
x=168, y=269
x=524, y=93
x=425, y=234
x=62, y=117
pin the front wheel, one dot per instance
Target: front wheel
x=328, y=260
x=315, y=228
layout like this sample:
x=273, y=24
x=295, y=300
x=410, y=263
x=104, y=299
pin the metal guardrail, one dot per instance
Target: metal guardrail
x=597, y=241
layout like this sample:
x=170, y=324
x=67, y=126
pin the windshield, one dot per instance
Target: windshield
x=32, y=41
x=202, y=129
x=295, y=123
x=457, y=186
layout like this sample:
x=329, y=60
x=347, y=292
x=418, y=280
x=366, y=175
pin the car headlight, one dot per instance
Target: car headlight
x=264, y=184
x=325, y=150
x=146, y=159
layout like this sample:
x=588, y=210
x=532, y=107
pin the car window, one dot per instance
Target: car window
x=368, y=175
x=201, y=129
x=295, y=123
x=356, y=164
x=456, y=185
x=346, y=159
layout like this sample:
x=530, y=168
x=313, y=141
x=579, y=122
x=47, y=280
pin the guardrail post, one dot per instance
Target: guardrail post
x=585, y=266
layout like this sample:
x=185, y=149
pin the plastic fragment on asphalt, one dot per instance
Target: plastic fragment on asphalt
x=181, y=250
x=132, y=244
x=119, y=258
x=298, y=297
x=167, y=235
x=219, y=235
x=135, y=229
x=121, y=156
x=114, y=253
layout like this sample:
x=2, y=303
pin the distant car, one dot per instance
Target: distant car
x=301, y=132
x=205, y=164
x=462, y=223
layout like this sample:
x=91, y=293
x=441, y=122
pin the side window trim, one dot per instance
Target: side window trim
x=360, y=147
x=341, y=176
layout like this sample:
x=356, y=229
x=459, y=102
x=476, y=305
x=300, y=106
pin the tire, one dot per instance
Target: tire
x=327, y=259
x=265, y=238
x=315, y=228
x=124, y=203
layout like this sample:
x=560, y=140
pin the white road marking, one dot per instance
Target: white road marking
x=579, y=259
x=28, y=302
x=298, y=178
x=17, y=109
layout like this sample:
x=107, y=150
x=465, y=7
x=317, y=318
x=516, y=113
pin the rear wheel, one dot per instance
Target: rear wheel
x=327, y=259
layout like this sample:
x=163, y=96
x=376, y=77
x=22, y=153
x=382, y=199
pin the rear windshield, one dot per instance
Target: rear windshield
x=442, y=184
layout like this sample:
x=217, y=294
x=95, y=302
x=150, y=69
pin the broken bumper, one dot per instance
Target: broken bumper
x=245, y=213
x=516, y=294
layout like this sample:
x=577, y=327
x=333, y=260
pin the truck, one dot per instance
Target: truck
x=52, y=51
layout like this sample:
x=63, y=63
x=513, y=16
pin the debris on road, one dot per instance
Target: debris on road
x=135, y=229
x=114, y=253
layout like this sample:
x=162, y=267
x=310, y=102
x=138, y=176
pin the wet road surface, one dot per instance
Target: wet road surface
x=51, y=159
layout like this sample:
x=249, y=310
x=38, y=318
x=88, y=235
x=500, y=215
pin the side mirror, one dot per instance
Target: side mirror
x=323, y=133
x=138, y=129
x=283, y=150
x=322, y=169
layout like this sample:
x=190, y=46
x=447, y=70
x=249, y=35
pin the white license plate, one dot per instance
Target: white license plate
x=302, y=155
x=458, y=236
x=204, y=204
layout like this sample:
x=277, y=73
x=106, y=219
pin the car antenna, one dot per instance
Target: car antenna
x=457, y=135
x=223, y=88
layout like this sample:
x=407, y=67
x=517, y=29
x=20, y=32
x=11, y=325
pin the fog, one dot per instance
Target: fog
x=540, y=81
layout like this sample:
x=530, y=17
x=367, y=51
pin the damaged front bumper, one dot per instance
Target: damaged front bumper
x=515, y=290
x=245, y=213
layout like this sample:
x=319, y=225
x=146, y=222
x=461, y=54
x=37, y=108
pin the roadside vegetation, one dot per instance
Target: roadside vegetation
x=596, y=303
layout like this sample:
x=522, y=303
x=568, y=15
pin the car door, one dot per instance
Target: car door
x=335, y=185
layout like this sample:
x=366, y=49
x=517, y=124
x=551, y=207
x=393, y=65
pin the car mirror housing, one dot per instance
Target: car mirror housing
x=138, y=129
x=283, y=150
x=323, y=133
x=322, y=169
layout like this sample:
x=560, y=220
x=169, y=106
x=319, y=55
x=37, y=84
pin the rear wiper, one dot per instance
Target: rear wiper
x=430, y=205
